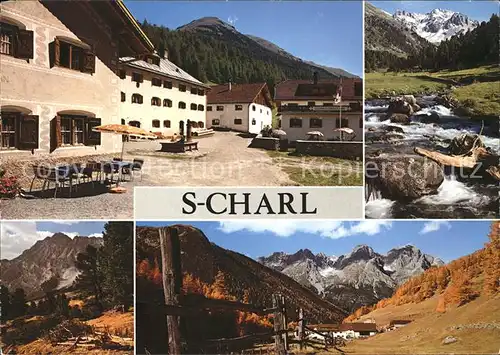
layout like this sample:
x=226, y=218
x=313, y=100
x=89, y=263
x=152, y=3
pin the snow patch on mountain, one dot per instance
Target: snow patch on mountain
x=437, y=25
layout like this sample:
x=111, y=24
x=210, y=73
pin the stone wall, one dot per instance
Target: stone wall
x=345, y=150
x=267, y=143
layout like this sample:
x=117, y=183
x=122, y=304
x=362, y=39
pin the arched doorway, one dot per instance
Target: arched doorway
x=181, y=128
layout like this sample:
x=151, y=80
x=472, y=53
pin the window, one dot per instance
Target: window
x=18, y=131
x=358, y=89
x=72, y=56
x=138, y=78
x=182, y=105
x=136, y=98
x=361, y=122
x=311, y=103
x=193, y=124
x=8, y=131
x=156, y=82
x=260, y=110
x=72, y=128
x=16, y=42
x=201, y=124
x=253, y=107
x=201, y=108
x=215, y=122
x=194, y=107
x=155, y=101
x=238, y=121
x=194, y=91
x=201, y=92
x=220, y=108
x=123, y=74
x=315, y=123
x=254, y=122
x=167, y=103
x=182, y=88
x=123, y=121
x=267, y=112
x=167, y=84
x=156, y=123
x=123, y=96
x=238, y=107
x=295, y=123
x=209, y=108
x=166, y=123
x=344, y=123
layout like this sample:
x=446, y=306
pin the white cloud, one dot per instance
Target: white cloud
x=434, y=226
x=232, y=20
x=327, y=229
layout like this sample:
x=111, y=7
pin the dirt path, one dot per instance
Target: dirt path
x=222, y=160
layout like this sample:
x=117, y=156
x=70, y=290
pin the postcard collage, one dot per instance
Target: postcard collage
x=249, y=177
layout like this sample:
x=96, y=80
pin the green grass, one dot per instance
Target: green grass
x=476, y=89
x=322, y=177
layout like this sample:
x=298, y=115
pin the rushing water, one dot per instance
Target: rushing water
x=455, y=198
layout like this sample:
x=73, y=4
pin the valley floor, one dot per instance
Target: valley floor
x=476, y=89
x=475, y=326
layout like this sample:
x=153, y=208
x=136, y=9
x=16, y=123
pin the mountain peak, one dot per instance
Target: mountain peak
x=208, y=23
x=59, y=237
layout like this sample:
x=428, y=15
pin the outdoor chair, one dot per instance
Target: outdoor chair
x=135, y=167
x=39, y=172
x=117, y=159
x=49, y=175
x=108, y=169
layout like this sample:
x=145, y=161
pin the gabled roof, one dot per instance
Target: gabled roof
x=166, y=68
x=325, y=89
x=359, y=327
x=239, y=93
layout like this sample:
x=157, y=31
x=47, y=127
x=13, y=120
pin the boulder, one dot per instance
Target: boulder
x=410, y=99
x=449, y=340
x=463, y=143
x=399, y=118
x=432, y=118
x=399, y=105
x=405, y=178
x=396, y=129
x=416, y=107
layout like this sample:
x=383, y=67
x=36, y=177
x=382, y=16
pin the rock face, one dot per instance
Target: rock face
x=52, y=258
x=359, y=278
x=405, y=178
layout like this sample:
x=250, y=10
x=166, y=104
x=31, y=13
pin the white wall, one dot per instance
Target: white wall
x=37, y=88
x=261, y=114
x=328, y=125
x=145, y=113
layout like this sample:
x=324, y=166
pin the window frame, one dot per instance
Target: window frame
x=193, y=107
x=220, y=108
x=215, y=122
x=295, y=119
x=156, y=82
x=155, y=101
x=123, y=96
x=182, y=88
x=167, y=103
x=10, y=31
x=238, y=121
x=238, y=107
x=139, y=99
x=155, y=123
x=315, y=120
x=201, y=107
x=167, y=124
x=167, y=84
x=182, y=105
x=73, y=132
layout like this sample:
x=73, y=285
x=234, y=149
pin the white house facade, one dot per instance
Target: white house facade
x=160, y=97
x=58, y=62
x=239, y=107
x=320, y=105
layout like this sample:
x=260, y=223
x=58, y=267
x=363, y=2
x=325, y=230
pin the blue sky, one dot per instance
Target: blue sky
x=446, y=240
x=480, y=10
x=15, y=237
x=326, y=32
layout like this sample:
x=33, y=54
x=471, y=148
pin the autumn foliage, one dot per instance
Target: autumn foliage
x=242, y=322
x=456, y=283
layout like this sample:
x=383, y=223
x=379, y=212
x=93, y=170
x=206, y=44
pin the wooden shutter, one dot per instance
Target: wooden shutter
x=28, y=132
x=55, y=133
x=88, y=62
x=24, y=44
x=54, y=53
x=91, y=137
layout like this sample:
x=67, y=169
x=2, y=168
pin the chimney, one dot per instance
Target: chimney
x=229, y=85
x=315, y=77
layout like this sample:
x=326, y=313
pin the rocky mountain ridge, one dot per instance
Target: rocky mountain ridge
x=358, y=278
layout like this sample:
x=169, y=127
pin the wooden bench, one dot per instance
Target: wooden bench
x=178, y=147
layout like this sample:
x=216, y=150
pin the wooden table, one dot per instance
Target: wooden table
x=178, y=147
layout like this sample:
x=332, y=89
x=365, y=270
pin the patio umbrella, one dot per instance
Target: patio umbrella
x=316, y=133
x=347, y=130
x=124, y=130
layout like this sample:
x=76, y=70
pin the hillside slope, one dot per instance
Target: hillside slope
x=214, y=51
x=50, y=262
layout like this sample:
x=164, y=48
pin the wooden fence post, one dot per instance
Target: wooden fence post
x=172, y=282
x=278, y=339
x=285, y=322
x=301, y=328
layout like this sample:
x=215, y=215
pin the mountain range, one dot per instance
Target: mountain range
x=436, y=25
x=359, y=278
x=49, y=264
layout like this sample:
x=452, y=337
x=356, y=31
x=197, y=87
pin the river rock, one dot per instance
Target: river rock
x=463, y=143
x=432, y=118
x=416, y=107
x=449, y=340
x=396, y=129
x=410, y=99
x=405, y=178
x=399, y=105
x=399, y=118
